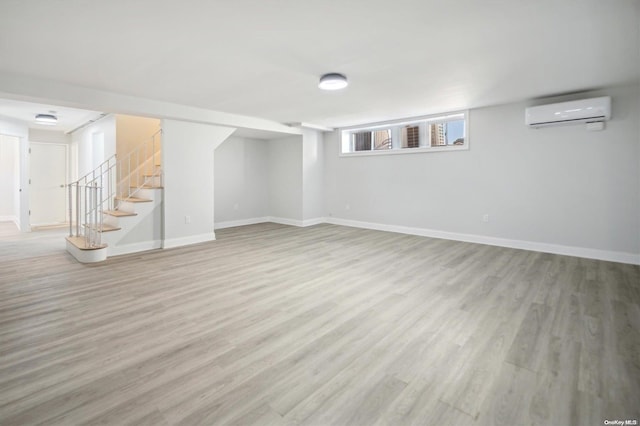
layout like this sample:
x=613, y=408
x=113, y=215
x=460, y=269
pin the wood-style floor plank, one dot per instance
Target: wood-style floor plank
x=326, y=325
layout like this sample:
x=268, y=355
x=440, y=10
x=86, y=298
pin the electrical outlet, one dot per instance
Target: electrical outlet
x=236, y=206
x=187, y=219
x=347, y=207
x=485, y=217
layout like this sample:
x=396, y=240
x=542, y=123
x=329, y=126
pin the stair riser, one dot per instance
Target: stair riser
x=126, y=206
x=148, y=193
x=153, y=181
x=111, y=220
x=87, y=256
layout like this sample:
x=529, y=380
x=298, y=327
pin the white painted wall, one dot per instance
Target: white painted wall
x=312, y=175
x=558, y=188
x=11, y=127
x=82, y=145
x=188, y=164
x=285, y=180
x=132, y=131
x=9, y=178
x=49, y=136
x=279, y=180
x=241, y=181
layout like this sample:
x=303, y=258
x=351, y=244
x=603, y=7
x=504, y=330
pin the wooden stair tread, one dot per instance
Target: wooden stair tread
x=80, y=243
x=147, y=186
x=119, y=213
x=105, y=228
x=134, y=199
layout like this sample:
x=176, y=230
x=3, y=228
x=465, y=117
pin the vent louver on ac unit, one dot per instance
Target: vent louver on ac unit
x=582, y=111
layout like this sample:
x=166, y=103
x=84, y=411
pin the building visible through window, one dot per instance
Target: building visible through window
x=430, y=133
x=438, y=134
x=362, y=141
x=382, y=139
x=411, y=137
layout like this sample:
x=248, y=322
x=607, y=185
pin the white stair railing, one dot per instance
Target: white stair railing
x=89, y=196
x=140, y=167
x=96, y=192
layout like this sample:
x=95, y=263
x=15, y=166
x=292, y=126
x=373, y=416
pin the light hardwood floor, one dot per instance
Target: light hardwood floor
x=326, y=325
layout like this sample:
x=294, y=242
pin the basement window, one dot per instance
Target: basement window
x=423, y=134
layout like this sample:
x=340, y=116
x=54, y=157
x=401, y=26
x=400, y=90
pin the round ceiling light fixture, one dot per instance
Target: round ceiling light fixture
x=333, y=81
x=46, y=119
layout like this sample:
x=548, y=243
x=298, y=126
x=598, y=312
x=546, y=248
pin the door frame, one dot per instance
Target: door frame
x=16, y=191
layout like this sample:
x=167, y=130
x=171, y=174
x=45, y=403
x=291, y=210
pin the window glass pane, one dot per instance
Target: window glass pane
x=447, y=134
x=362, y=141
x=455, y=132
x=437, y=134
x=411, y=137
x=382, y=139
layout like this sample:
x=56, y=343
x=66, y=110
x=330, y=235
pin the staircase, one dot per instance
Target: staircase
x=116, y=208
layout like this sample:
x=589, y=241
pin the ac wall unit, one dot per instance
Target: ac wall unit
x=582, y=111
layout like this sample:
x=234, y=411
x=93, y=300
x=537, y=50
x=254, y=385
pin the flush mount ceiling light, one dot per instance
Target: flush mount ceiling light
x=333, y=81
x=46, y=119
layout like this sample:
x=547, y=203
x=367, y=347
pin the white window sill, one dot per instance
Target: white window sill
x=424, y=150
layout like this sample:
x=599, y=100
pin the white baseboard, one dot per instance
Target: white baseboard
x=14, y=219
x=295, y=222
x=134, y=248
x=286, y=221
x=191, y=239
x=241, y=222
x=315, y=221
x=611, y=256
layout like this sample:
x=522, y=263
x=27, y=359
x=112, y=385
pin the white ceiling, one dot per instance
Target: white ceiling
x=263, y=58
x=68, y=118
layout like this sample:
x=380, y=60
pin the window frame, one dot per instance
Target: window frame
x=395, y=126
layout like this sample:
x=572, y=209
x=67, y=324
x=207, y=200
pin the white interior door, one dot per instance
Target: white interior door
x=47, y=192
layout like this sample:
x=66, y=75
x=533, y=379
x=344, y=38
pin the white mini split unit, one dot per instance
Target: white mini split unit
x=594, y=110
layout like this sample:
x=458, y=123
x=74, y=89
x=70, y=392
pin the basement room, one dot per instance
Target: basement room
x=320, y=213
